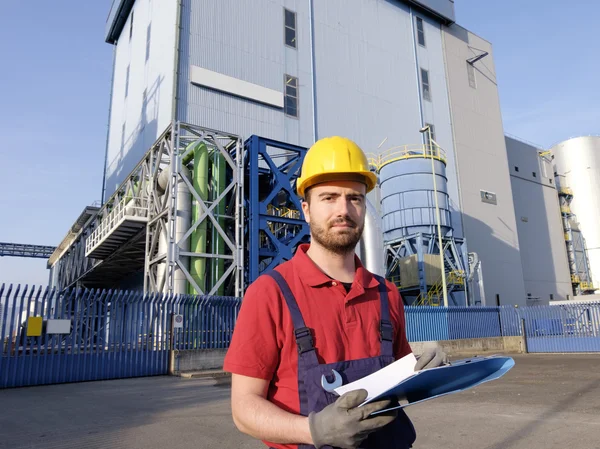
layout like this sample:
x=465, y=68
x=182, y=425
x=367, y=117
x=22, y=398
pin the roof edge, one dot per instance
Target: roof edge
x=117, y=16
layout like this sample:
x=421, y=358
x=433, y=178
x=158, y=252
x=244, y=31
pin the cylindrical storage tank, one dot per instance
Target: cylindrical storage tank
x=407, y=198
x=577, y=163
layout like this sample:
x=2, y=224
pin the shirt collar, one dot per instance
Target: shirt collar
x=314, y=277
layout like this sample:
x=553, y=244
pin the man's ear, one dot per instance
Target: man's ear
x=305, y=211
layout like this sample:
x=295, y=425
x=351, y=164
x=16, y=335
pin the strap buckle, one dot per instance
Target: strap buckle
x=304, y=340
x=386, y=330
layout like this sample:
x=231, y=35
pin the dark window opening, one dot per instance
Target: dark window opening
x=131, y=26
x=429, y=136
x=497, y=299
x=471, y=74
x=420, y=32
x=290, y=28
x=516, y=168
x=425, y=85
x=290, y=104
x=127, y=83
x=148, y=34
x=551, y=296
x=534, y=174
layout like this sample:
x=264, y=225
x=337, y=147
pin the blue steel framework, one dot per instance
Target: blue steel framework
x=275, y=223
x=113, y=334
x=23, y=250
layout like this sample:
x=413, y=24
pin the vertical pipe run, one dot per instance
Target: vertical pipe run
x=198, y=237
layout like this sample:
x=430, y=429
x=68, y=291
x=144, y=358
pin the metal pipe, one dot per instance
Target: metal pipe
x=184, y=218
x=311, y=18
x=371, y=242
x=198, y=237
x=437, y=215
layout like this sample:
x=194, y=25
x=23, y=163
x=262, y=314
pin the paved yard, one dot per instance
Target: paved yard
x=546, y=401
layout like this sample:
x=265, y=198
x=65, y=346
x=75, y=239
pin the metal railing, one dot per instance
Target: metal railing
x=566, y=191
x=377, y=161
x=133, y=208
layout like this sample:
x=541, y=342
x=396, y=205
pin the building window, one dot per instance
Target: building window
x=550, y=180
x=429, y=136
x=123, y=137
x=148, y=34
x=534, y=174
x=420, y=32
x=144, y=108
x=425, y=85
x=290, y=28
x=551, y=296
x=131, y=25
x=471, y=73
x=290, y=105
x=127, y=82
x=516, y=168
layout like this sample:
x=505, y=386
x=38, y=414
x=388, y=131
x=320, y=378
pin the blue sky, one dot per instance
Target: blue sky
x=55, y=87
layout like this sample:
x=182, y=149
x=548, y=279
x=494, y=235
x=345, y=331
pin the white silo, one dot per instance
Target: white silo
x=577, y=165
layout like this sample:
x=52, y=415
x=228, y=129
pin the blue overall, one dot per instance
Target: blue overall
x=400, y=434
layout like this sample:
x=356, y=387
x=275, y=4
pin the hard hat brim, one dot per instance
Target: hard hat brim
x=366, y=177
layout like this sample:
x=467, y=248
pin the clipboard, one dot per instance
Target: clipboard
x=401, y=383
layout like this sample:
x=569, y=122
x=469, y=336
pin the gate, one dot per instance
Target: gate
x=562, y=328
x=49, y=336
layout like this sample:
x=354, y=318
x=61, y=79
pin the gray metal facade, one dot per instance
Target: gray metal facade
x=541, y=236
x=577, y=163
x=143, y=78
x=361, y=61
x=482, y=165
x=366, y=72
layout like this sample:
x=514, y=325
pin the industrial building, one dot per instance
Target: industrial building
x=214, y=103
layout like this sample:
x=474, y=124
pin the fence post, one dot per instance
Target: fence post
x=523, y=336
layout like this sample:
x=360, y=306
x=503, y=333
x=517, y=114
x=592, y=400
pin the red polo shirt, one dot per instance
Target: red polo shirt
x=345, y=326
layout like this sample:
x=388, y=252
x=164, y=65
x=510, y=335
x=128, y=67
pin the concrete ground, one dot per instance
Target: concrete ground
x=546, y=401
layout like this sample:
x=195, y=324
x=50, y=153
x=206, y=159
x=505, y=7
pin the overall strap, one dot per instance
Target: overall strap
x=304, y=340
x=386, y=329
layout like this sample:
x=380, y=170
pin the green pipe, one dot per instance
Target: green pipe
x=198, y=236
x=219, y=170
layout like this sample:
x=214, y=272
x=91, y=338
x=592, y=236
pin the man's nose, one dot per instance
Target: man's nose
x=342, y=207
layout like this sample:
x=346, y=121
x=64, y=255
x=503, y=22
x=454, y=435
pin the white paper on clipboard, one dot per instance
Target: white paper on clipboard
x=399, y=380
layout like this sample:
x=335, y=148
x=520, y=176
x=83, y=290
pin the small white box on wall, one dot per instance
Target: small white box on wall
x=58, y=327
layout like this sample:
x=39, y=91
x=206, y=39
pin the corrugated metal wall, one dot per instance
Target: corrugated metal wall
x=365, y=64
x=437, y=111
x=245, y=40
x=541, y=236
x=144, y=69
x=490, y=229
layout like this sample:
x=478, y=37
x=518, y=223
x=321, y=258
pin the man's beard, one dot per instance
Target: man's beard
x=340, y=241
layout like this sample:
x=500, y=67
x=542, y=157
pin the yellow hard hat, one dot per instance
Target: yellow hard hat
x=334, y=159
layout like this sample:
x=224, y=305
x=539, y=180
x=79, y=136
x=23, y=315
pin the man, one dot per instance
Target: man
x=321, y=311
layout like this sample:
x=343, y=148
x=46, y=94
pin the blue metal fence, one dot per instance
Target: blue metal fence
x=49, y=336
x=564, y=328
x=440, y=323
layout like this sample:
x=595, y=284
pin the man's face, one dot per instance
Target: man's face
x=336, y=213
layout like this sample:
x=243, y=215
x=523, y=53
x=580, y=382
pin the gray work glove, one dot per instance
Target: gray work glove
x=343, y=424
x=432, y=357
